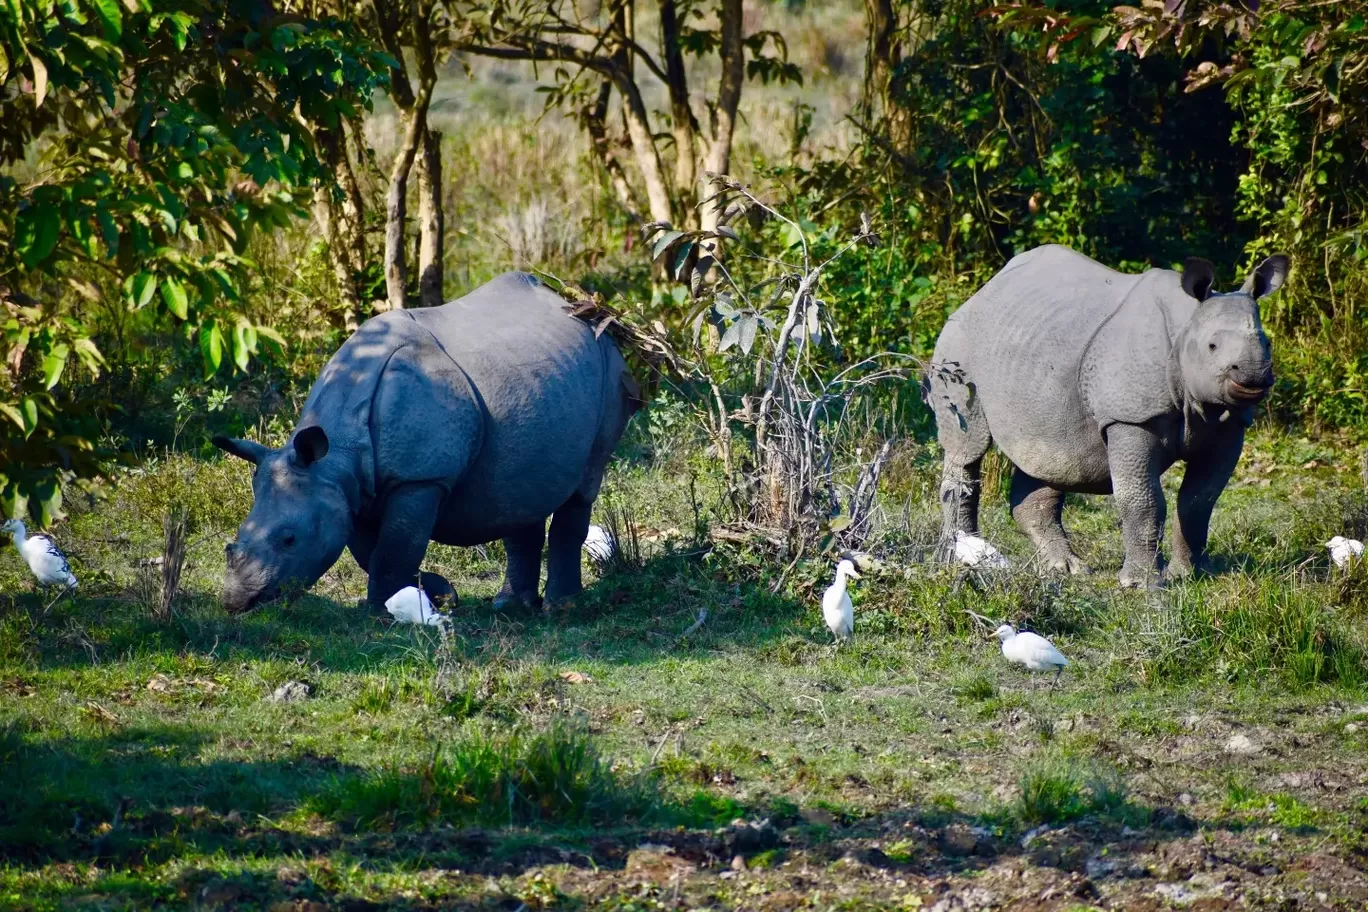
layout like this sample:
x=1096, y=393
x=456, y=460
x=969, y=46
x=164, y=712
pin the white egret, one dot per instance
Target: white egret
x=47, y=562
x=599, y=544
x=1031, y=650
x=836, y=606
x=411, y=605
x=973, y=551
x=1344, y=551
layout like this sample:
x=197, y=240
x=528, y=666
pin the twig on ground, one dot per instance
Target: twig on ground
x=757, y=698
x=982, y=621
x=702, y=617
x=661, y=746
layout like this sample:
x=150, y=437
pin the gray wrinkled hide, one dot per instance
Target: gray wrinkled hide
x=1095, y=381
x=460, y=424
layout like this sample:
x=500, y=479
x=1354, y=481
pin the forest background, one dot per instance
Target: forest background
x=198, y=201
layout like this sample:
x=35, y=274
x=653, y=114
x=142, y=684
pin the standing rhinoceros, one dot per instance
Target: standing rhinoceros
x=459, y=424
x=1096, y=381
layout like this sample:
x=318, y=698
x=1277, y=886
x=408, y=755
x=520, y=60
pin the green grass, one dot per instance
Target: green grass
x=144, y=763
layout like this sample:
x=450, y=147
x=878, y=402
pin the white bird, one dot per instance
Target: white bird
x=599, y=544
x=836, y=607
x=973, y=551
x=44, y=558
x=1031, y=650
x=411, y=605
x=1344, y=550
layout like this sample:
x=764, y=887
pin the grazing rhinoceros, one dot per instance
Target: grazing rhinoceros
x=1096, y=381
x=459, y=424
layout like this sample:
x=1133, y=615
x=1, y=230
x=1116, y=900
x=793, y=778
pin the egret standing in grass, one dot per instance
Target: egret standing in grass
x=1031, y=650
x=44, y=558
x=975, y=552
x=599, y=545
x=411, y=605
x=836, y=606
x=1344, y=551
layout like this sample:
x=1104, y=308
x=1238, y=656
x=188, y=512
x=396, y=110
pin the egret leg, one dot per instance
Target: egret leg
x=1059, y=670
x=63, y=592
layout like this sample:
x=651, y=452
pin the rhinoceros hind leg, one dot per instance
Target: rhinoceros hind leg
x=1039, y=510
x=522, y=573
x=962, y=429
x=569, y=528
x=405, y=529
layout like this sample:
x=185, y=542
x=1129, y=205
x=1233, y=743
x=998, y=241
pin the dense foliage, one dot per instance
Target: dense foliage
x=143, y=143
x=1140, y=135
x=155, y=156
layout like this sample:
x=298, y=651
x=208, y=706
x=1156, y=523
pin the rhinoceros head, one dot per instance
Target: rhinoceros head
x=299, y=523
x=1223, y=354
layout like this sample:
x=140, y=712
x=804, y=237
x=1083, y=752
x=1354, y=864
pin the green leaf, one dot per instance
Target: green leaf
x=49, y=495
x=749, y=325
x=664, y=242
x=173, y=293
x=241, y=351
x=54, y=364
x=267, y=332
x=111, y=16
x=144, y=286
x=211, y=348
x=13, y=414
x=40, y=79
x=730, y=337
x=36, y=230
x=89, y=354
x=30, y=410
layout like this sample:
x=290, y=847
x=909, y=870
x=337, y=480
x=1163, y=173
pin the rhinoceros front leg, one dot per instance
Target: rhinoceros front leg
x=406, y=523
x=1205, y=478
x=1135, y=457
x=522, y=572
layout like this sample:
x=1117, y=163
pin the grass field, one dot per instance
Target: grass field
x=1207, y=748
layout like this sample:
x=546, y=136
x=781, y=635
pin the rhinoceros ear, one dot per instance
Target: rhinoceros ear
x=310, y=445
x=249, y=450
x=1199, y=276
x=1267, y=277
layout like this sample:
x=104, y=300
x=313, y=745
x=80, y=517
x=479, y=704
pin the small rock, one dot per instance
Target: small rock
x=817, y=817
x=1177, y=894
x=1240, y=744
x=159, y=683
x=958, y=839
x=291, y=692
x=748, y=838
x=1033, y=835
x=575, y=677
x=1352, y=727
x=1185, y=799
x=656, y=863
x=1098, y=867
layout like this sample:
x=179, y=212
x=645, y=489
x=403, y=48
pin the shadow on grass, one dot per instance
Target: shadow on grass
x=308, y=828
x=627, y=617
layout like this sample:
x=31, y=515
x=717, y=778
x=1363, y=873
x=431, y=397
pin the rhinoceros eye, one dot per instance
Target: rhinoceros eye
x=1211, y=346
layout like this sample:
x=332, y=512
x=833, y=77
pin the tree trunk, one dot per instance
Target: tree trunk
x=637, y=121
x=396, y=204
x=415, y=107
x=882, y=57
x=596, y=124
x=431, y=220
x=728, y=100
x=684, y=126
x=338, y=209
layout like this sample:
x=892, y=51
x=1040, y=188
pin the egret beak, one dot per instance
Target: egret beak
x=854, y=574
